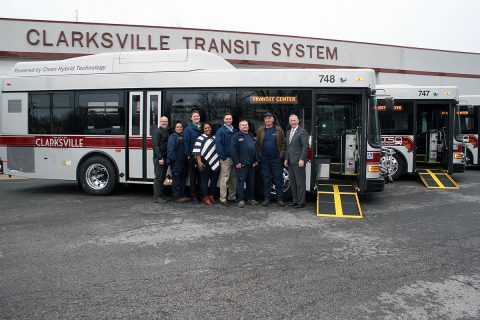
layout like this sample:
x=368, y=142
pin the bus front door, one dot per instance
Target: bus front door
x=144, y=113
x=432, y=135
x=335, y=140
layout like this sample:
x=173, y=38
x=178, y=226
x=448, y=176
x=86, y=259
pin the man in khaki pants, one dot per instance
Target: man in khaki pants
x=228, y=178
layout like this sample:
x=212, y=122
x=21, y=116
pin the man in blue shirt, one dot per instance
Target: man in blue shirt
x=271, y=147
x=190, y=135
x=228, y=178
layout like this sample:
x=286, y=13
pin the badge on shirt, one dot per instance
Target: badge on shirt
x=241, y=139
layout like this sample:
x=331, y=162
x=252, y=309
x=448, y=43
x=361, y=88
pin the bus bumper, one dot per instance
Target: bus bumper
x=375, y=185
x=458, y=168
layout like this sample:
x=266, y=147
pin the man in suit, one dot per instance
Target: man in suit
x=295, y=159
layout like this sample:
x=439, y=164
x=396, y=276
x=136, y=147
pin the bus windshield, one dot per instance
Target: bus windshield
x=374, y=134
x=457, y=125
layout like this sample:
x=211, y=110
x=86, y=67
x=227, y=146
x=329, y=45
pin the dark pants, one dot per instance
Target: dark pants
x=298, y=182
x=179, y=175
x=194, y=178
x=160, y=176
x=272, y=173
x=246, y=175
x=209, y=175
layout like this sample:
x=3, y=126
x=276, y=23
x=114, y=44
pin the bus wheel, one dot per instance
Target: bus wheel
x=287, y=190
x=396, y=165
x=469, y=158
x=98, y=176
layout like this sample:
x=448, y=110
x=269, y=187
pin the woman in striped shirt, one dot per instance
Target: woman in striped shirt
x=208, y=163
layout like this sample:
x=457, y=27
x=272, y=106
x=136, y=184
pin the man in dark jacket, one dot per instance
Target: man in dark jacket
x=190, y=135
x=243, y=150
x=160, y=140
x=228, y=178
x=271, y=147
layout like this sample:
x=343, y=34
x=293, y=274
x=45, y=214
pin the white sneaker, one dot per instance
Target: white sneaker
x=241, y=204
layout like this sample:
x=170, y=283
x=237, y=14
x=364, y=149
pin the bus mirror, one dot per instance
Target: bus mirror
x=389, y=103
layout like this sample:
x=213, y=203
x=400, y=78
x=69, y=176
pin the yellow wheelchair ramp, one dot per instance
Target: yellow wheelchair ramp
x=437, y=179
x=338, y=201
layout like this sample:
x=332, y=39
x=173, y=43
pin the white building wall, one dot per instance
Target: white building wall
x=28, y=39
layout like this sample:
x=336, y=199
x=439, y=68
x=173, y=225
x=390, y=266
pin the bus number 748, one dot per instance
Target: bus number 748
x=327, y=78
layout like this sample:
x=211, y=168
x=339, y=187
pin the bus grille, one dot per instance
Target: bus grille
x=21, y=159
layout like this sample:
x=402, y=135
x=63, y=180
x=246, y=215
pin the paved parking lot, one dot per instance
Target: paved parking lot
x=66, y=255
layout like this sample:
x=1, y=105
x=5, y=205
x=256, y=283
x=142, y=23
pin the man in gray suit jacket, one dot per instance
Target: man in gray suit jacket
x=295, y=159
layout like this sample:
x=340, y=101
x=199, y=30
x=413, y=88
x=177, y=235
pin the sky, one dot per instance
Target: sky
x=441, y=24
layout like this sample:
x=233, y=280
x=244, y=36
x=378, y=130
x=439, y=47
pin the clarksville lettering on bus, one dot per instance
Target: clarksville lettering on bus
x=59, y=142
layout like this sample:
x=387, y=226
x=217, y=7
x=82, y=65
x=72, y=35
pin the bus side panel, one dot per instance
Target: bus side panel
x=14, y=120
x=15, y=113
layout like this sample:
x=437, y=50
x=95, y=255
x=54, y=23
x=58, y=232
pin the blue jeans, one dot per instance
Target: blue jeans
x=179, y=175
x=245, y=175
x=272, y=173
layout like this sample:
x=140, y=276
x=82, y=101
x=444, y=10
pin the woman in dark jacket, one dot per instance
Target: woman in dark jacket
x=178, y=163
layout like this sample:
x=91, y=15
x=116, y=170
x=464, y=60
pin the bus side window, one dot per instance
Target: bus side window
x=101, y=112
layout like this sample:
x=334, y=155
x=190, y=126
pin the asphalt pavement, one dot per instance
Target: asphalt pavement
x=67, y=255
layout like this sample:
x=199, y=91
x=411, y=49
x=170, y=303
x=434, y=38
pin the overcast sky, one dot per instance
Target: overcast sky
x=439, y=24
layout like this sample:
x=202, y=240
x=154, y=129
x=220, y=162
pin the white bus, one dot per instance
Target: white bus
x=90, y=118
x=422, y=128
x=469, y=120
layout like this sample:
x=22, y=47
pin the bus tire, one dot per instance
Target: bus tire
x=397, y=166
x=469, y=158
x=287, y=190
x=98, y=176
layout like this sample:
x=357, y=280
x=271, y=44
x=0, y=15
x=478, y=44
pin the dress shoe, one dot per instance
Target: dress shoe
x=182, y=200
x=281, y=203
x=293, y=204
x=299, y=206
x=252, y=202
x=265, y=203
x=224, y=203
x=207, y=201
x=212, y=200
x=241, y=204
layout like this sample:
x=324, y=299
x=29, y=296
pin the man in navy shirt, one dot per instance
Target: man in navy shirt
x=243, y=150
x=271, y=147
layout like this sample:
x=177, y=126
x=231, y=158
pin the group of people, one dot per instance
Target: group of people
x=229, y=158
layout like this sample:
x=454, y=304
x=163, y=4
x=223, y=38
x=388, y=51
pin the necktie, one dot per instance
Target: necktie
x=291, y=135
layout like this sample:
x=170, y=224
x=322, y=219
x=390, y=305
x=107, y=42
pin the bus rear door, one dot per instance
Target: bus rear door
x=144, y=112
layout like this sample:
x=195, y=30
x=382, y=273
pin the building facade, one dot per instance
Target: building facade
x=26, y=40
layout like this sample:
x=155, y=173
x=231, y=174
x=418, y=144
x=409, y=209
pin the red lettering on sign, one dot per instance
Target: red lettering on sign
x=29, y=37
